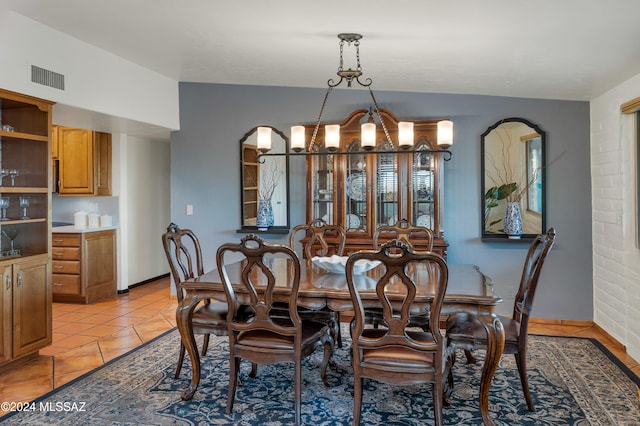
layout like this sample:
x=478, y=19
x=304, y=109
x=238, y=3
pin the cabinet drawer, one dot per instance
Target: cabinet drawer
x=65, y=253
x=66, y=266
x=66, y=284
x=65, y=240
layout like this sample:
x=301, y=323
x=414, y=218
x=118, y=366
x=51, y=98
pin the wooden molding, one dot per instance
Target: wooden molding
x=615, y=341
x=631, y=106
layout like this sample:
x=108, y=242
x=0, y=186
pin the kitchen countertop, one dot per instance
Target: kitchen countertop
x=70, y=229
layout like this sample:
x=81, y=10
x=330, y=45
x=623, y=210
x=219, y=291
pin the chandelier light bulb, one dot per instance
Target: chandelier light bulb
x=445, y=133
x=332, y=137
x=368, y=136
x=297, y=138
x=264, y=139
x=405, y=134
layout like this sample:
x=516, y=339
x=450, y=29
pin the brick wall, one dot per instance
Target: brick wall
x=616, y=257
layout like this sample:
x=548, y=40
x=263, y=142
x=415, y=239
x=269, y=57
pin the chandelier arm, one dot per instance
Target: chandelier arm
x=446, y=154
x=367, y=84
x=315, y=129
x=377, y=108
x=331, y=84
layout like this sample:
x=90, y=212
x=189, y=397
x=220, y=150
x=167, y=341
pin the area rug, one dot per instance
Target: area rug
x=573, y=381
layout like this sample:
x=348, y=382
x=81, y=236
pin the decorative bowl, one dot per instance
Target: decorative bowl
x=335, y=264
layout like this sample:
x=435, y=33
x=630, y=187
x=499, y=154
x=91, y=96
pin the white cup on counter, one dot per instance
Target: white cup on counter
x=94, y=220
x=80, y=220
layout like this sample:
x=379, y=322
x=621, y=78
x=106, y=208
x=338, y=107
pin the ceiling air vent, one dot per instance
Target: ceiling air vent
x=47, y=78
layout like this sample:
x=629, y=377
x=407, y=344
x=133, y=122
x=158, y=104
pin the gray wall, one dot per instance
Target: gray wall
x=205, y=172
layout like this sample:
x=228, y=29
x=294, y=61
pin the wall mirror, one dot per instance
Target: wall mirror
x=264, y=181
x=513, y=180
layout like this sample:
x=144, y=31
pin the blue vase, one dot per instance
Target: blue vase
x=513, y=220
x=265, y=215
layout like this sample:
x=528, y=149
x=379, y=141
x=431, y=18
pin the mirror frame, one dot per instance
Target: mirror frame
x=281, y=229
x=502, y=237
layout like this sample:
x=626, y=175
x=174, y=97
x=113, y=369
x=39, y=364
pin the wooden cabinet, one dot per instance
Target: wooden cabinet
x=84, y=266
x=26, y=307
x=25, y=225
x=85, y=162
x=362, y=191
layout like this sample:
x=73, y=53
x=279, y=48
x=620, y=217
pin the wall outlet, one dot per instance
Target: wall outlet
x=189, y=209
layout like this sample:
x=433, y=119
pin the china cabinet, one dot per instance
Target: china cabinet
x=361, y=191
x=25, y=237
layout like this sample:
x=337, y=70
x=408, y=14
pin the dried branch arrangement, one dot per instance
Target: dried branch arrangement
x=269, y=179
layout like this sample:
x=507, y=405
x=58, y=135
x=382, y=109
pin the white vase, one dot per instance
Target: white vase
x=513, y=220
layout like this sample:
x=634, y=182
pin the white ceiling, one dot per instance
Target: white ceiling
x=555, y=49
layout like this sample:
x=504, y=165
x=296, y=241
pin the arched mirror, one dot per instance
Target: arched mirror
x=513, y=180
x=265, y=184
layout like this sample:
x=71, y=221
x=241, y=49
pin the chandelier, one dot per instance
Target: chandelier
x=368, y=129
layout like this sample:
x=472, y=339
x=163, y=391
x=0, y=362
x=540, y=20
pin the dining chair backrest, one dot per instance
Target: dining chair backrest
x=258, y=281
x=183, y=254
x=404, y=231
x=538, y=251
x=400, y=264
x=331, y=239
x=400, y=354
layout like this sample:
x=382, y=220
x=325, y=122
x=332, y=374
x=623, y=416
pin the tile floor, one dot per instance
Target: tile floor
x=87, y=336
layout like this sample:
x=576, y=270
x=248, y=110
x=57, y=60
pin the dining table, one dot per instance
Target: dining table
x=468, y=290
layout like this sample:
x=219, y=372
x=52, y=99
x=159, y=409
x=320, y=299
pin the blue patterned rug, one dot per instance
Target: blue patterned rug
x=573, y=382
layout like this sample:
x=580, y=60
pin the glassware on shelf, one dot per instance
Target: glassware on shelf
x=13, y=173
x=3, y=173
x=4, y=205
x=24, y=203
x=11, y=235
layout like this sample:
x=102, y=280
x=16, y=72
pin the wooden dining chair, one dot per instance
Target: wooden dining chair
x=465, y=331
x=185, y=261
x=403, y=231
x=319, y=239
x=266, y=339
x=396, y=354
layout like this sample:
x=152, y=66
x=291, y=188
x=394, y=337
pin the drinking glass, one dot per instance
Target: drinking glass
x=4, y=205
x=11, y=234
x=3, y=173
x=24, y=203
x=13, y=173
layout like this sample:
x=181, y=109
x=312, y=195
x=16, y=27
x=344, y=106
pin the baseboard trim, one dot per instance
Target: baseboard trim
x=577, y=323
x=159, y=277
x=613, y=340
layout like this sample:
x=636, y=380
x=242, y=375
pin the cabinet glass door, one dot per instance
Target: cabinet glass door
x=386, y=187
x=322, y=187
x=422, y=188
x=356, y=190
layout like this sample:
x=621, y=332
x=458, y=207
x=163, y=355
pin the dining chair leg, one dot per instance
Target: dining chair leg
x=521, y=362
x=470, y=358
x=338, y=331
x=234, y=367
x=437, y=403
x=205, y=344
x=180, y=361
x=358, y=384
